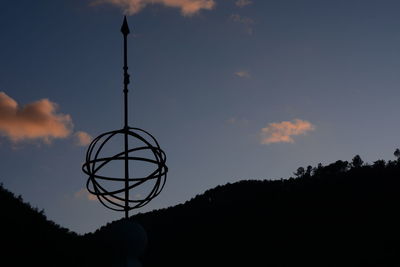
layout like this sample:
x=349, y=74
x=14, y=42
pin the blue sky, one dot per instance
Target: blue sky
x=231, y=89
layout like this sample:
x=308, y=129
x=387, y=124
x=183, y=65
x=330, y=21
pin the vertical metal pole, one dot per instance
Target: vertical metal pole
x=125, y=32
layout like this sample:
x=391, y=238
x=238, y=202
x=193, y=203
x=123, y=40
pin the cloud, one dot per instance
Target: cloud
x=282, y=132
x=82, y=138
x=231, y=120
x=37, y=120
x=242, y=74
x=243, y=3
x=245, y=21
x=237, y=121
x=187, y=7
x=83, y=193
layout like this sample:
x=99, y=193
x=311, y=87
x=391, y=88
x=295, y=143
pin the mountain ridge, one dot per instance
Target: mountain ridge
x=342, y=214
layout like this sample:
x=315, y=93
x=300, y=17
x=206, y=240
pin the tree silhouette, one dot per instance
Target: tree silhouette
x=357, y=162
x=300, y=172
x=308, y=171
x=397, y=154
x=379, y=164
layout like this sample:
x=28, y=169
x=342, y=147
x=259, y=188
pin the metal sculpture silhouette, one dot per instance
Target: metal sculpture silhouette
x=118, y=198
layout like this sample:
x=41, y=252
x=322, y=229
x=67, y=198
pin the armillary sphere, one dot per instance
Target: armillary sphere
x=124, y=151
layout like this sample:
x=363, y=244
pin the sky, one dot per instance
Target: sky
x=231, y=89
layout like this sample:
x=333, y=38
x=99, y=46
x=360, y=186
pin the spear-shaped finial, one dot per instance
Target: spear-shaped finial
x=125, y=27
x=125, y=31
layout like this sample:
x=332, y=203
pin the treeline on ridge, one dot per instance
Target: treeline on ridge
x=342, y=214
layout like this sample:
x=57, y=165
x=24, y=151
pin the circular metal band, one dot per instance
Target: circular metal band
x=94, y=163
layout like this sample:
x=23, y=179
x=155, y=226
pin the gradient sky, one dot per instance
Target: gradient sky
x=231, y=89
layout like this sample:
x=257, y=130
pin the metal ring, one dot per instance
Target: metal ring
x=95, y=162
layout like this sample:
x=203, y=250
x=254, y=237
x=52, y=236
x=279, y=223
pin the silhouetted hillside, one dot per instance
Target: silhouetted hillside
x=29, y=239
x=343, y=214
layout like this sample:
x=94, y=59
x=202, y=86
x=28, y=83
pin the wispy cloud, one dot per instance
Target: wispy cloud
x=283, y=132
x=231, y=120
x=37, y=120
x=242, y=74
x=187, y=7
x=245, y=21
x=82, y=138
x=83, y=193
x=243, y=3
x=237, y=121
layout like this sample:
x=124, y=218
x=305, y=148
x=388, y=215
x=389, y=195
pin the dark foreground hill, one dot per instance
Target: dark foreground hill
x=28, y=238
x=343, y=214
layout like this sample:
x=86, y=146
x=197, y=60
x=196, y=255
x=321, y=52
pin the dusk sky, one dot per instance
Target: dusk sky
x=232, y=90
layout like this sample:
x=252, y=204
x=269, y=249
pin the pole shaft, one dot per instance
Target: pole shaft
x=126, y=129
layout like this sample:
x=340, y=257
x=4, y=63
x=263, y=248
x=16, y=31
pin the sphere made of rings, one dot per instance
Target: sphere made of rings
x=115, y=199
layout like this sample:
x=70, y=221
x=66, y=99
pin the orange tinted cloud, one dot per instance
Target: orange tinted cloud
x=245, y=21
x=243, y=3
x=82, y=138
x=37, y=120
x=283, y=132
x=187, y=7
x=242, y=74
x=83, y=193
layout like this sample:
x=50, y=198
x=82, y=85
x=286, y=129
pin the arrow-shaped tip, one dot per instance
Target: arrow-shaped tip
x=125, y=27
